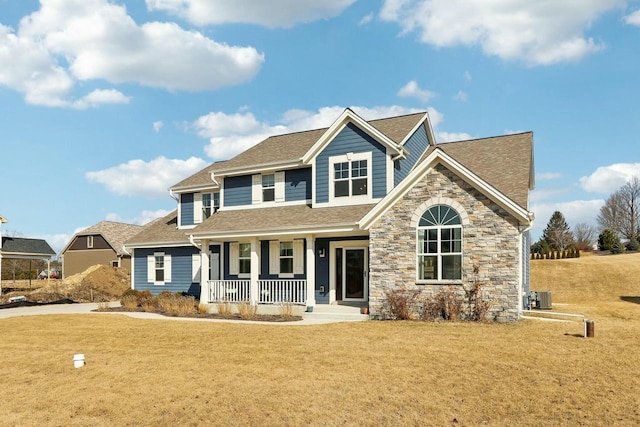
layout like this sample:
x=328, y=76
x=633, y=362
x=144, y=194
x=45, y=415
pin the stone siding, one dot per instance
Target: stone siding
x=490, y=241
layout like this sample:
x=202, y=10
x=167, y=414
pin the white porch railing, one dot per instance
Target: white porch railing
x=229, y=290
x=277, y=291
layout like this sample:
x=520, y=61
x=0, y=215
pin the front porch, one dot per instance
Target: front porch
x=274, y=291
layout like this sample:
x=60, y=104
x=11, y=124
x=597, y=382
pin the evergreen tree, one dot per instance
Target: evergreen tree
x=557, y=234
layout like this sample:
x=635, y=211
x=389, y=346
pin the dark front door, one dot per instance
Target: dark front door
x=354, y=273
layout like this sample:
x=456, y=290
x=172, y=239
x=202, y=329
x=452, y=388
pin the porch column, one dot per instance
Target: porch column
x=311, y=270
x=204, y=272
x=255, y=271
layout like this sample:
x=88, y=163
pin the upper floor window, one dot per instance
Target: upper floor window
x=268, y=188
x=439, y=245
x=89, y=242
x=210, y=204
x=350, y=175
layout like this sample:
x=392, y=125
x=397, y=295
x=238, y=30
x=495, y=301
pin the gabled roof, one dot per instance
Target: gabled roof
x=199, y=180
x=26, y=247
x=160, y=232
x=290, y=149
x=505, y=162
x=115, y=233
x=499, y=167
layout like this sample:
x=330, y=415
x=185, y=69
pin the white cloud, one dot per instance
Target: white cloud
x=575, y=211
x=157, y=126
x=534, y=32
x=452, y=136
x=66, y=42
x=607, y=179
x=148, y=179
x=143, y=218
x=467, y=76
x=461, y=96
x=366, y=19
x=272, y=14
x=547, y=176
x=412, y=90
x=633, y=18
x=230, y=134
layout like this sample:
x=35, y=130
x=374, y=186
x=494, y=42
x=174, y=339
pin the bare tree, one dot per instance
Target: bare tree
x=621, y=211
x=585, y=236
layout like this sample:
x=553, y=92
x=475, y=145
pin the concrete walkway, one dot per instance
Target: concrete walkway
x=330, y=314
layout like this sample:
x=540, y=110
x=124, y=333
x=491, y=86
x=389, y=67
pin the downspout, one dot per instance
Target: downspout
x=522, y=261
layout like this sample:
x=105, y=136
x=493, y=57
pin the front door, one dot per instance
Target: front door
x=355, y=274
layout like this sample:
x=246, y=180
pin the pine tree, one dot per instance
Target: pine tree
x=557, y=234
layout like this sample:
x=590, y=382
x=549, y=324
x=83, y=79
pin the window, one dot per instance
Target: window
x=286, y=257
x=268, y=188
x=89, y=242
x=439, y=243
x=159, y=268
x=206, y=205
x=244, y=258
x=350, y=178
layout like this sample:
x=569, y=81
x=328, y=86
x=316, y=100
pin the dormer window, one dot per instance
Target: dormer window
x=210, y=204
x=350, y=176
x=268, y=188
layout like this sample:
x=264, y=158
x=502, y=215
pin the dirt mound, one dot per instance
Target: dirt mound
x=96, y=283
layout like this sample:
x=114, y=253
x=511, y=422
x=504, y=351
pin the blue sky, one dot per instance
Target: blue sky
x=106, y=104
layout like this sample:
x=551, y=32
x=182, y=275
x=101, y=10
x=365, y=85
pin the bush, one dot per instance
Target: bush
x=129, y=301
x=286, y=310
x=633, y=245
x=449, y=303
x=247, y=311
x=607, y=240
x=224, y=308
x=398, y=304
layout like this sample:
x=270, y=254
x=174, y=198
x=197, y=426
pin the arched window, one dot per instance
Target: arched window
x=439, y=248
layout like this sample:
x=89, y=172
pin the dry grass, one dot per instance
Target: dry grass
x=374, y=373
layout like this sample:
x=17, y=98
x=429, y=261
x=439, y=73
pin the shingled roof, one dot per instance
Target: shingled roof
x=115, y=233
x=505, y=162
x=26, y=247
x=162, y=231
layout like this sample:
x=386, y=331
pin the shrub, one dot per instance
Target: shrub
x=607, y=240
x=286, y=310
x=103, y=305
x=449, y=303
x=398, y=304
x=203, y=308
x=477, y=305
x=633, y=245
x=129, y=301
x=224, y=308
x=247, y=311
x=617, y=248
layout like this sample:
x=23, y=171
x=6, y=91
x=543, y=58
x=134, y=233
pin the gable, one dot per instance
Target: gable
x=351, y=139
x=415, y=147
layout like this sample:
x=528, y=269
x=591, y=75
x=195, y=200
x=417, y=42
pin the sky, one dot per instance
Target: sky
x=104, y=105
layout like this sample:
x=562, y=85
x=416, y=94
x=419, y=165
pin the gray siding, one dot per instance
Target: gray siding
x=297, y=184
x=180, y=271
x=354, y=140
x=237, y=190
x=186, y=209
x=415, y=146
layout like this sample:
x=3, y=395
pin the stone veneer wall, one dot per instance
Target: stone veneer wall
x=490, y=240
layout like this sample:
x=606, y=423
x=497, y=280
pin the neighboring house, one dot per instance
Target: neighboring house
x=345, y=214
x=22, y=248
x=101, y=243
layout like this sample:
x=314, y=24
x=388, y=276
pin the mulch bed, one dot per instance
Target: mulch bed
x=257, y=318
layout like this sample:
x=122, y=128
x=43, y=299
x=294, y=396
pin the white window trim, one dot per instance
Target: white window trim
x=151, y=268
x=348, y=200
x=279, y=189
x=89, y=242
x=439, y=254
x=298, y=258
x=237, y=257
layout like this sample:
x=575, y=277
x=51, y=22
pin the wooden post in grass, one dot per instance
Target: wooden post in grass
x=589, y=328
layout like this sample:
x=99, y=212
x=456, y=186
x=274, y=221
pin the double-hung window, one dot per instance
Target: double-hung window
x=244, y=259
x=286, y=257
x=206, y=205
x=350, y=175
x=159, y=268
x=439, y=245
x=268, y=188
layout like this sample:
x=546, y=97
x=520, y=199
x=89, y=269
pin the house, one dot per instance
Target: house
x=344, y=215
x=23, y=248
x=102, y=243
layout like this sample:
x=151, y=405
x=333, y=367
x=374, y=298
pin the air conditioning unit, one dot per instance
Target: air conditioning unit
x=543, y=300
